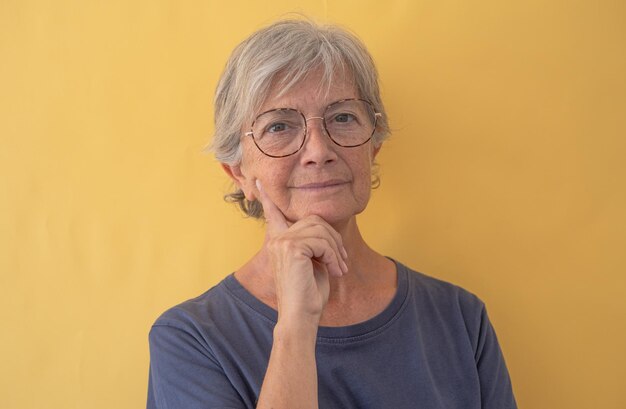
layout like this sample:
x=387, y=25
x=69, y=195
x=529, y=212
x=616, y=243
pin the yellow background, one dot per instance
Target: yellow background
x=504, y=174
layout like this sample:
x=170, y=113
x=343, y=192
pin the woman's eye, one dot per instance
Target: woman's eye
x=276, y=127
x=344, y=118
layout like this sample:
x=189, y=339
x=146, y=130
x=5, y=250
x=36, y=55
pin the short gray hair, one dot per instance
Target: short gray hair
x=287, y=50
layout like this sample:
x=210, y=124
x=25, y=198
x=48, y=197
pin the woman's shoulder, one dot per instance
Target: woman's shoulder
x=438, y=305
x=429, y=291
x=225, y=308
x=197, y=309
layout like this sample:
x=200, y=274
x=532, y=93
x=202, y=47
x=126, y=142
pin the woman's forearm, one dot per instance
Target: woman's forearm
x=291, y=378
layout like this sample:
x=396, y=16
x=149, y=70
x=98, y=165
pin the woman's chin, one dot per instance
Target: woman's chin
x=332, y=214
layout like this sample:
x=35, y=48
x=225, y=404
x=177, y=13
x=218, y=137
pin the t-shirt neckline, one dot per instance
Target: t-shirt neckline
x=356, y=331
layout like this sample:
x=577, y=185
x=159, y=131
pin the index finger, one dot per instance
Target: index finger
x=275, y=219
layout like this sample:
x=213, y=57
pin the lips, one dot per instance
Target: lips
x=321, y=185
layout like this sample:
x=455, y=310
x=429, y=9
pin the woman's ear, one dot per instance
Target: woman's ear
x=376, y=149
x=243, y=182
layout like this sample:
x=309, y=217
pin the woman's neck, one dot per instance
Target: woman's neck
x=367, y=270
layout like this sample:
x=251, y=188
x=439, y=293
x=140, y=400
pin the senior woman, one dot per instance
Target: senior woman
x=317, y=318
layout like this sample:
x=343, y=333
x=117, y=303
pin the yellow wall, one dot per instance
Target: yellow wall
x=505, y=175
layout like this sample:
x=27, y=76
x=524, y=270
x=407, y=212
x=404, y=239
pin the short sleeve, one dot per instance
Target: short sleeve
x=495, y=383
x=184, y=374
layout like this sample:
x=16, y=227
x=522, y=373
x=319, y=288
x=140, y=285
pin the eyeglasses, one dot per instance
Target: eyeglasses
x=281, y=132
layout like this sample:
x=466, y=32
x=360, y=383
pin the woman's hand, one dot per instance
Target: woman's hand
x=303, y=256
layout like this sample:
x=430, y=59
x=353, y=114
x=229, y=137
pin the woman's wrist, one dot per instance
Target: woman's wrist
x=296, y=331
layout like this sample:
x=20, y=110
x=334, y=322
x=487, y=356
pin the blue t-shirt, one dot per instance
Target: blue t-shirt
x=432, y=347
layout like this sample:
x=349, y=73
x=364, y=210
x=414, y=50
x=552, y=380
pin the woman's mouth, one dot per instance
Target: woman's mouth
x=328, y=184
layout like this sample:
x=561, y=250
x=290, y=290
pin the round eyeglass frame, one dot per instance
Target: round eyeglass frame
x=376, y=116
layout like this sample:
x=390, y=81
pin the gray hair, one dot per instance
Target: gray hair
x=287, y=51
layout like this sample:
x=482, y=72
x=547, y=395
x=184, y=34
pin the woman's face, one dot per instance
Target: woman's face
x=322, y=178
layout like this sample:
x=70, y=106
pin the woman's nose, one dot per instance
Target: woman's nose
x=318, y=147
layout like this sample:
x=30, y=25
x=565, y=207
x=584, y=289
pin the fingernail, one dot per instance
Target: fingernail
x=258, y=184
x=344, y=253
x=344, y=266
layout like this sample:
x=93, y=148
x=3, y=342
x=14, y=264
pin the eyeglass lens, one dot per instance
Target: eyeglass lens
x=281, y=132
